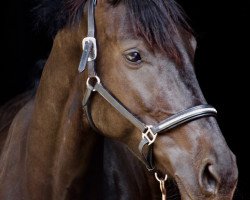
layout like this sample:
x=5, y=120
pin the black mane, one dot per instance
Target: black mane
x=53, y=15
x=156, y=21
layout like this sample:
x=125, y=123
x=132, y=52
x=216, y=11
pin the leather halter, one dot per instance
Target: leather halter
x=149, y=132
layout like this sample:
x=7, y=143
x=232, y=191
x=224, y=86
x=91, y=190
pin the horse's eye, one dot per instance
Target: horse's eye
x=134, y=57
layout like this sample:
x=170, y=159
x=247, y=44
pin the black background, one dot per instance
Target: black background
x=222, y=64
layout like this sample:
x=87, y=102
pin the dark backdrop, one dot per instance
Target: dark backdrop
x=222, y=64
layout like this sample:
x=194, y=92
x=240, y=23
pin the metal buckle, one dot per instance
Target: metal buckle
x=93, y=53
x=149, y=135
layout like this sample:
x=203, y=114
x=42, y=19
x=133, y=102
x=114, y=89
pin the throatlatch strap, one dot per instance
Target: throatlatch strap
x=87, y=108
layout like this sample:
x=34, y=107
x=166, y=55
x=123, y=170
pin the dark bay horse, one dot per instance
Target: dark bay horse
x=141, y=91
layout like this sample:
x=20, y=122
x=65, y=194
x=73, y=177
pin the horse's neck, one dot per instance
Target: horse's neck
x=8, y=112
x=49, y=139
x=56, y=154
x=61, y=140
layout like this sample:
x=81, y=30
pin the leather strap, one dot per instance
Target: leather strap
x=185, y=116
x=119, y=107
x=91, y=18
x=85, y=56
x=89, y=43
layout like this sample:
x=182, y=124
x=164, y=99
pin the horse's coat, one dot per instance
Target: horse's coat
x=51, y=152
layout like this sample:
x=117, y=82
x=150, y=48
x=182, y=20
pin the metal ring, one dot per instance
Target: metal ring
x=160, y=179
x=90, y=87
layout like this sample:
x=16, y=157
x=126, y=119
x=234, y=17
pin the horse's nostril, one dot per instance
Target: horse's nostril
x=209, y=180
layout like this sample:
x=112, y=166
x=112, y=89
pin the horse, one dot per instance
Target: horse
x=121, y=122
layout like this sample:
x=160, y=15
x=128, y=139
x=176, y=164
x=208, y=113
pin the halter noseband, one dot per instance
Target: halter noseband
x=149, y=132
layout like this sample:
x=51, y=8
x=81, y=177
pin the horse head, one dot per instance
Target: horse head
x=144, y=63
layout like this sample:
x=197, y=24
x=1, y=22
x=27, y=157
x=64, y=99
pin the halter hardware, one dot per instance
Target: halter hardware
x=90, y=86
x=149, y=135
x=162, y=182
x=93, y=54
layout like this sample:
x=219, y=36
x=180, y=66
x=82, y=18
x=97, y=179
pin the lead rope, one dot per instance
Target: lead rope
x=162, y=182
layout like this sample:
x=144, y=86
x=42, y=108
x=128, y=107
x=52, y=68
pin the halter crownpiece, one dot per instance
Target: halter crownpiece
x=149, y=132
x=89, y=43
